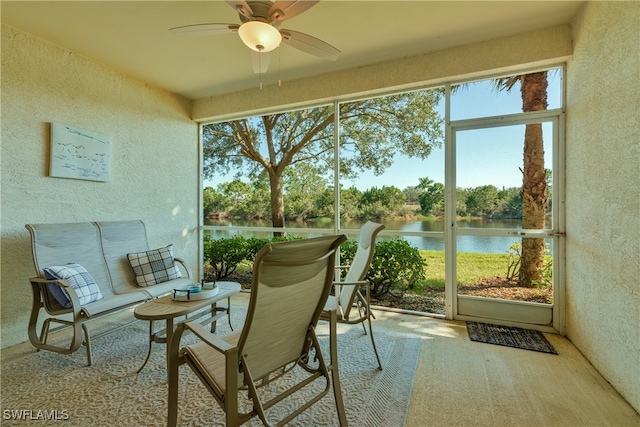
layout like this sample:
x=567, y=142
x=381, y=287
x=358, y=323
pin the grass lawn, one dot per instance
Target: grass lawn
x=471, y=267
x=478, y=274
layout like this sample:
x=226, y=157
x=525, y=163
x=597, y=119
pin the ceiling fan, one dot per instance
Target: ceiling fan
x=259, y=29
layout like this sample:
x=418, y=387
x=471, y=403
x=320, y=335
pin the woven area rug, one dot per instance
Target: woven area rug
x=509, y=336
x=37, y=385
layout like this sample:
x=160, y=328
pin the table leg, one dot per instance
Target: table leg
x=214, y=311
x=229, y=312
x=151, y=339
x=169, y=332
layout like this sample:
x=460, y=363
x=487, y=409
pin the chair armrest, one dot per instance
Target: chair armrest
x=212, y=340
x=184, y=266
x=175, y=353
x=355, y=282
x=367, y=292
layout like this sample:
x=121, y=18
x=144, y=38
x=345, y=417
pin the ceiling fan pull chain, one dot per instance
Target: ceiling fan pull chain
x=279, y=67
x=260, y=65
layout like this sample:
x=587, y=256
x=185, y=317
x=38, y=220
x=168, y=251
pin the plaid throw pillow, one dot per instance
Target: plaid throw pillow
x=154, y=266
x=79, y=278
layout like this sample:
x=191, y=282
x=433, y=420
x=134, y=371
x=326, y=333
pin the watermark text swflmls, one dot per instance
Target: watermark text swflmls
x=35, y=414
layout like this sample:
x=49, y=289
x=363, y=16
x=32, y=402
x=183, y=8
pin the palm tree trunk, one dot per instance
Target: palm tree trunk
x=534, y=187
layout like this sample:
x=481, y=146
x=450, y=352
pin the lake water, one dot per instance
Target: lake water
x=479, y=244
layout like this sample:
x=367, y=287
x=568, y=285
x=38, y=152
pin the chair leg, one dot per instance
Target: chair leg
x=252, y=393
x=87, y=343
x=362, y=312
x=375, y=350
x=172, y=382
x=335, y=373
x=44, y=334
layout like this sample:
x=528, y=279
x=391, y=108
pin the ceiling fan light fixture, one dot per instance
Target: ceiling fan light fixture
x=260, y=36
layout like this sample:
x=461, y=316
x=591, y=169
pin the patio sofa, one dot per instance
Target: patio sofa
x=87, y=270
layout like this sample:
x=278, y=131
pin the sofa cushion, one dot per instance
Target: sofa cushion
x=115, y=302
x=167, y=287
x=154, y=266
x=79, y=278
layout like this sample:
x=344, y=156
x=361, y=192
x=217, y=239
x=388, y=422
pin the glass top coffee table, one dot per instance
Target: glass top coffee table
x=167, y=309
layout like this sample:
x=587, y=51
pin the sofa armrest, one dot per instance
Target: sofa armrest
x=43, y=298
x=52, y=305
x=184, y=267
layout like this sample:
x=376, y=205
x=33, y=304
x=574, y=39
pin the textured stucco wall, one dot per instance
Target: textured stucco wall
x=154, y=159
x=603, y=193
x=503, y=55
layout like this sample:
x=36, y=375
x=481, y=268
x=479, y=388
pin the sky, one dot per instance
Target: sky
x=485, y=156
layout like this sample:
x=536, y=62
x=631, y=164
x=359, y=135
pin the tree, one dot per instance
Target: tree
x=350, y=203
x=381, y=202
x=432, y=197
x=304, y=185
x=389, y=196
x=510, y=202
x=212, y=201
x=412, y=194
x=533, y=89
x=259, y=198
x=372, y=132
x=482, y=201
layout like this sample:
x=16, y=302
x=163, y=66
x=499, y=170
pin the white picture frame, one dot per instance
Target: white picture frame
x=79, y=154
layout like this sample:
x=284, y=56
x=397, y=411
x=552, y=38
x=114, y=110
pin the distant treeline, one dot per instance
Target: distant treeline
x=250, y=200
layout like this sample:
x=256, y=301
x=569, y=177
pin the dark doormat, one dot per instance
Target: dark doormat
x=509, y=336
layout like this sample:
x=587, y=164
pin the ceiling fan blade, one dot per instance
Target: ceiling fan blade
x=282, y=10
x=260, y=61
x=310, y=44
x=242, y=7
x=205, y=29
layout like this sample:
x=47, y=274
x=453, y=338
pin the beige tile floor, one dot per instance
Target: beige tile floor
x=464, y=383
x=459, y=382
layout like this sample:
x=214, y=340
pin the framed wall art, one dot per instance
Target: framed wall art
x=79, y=154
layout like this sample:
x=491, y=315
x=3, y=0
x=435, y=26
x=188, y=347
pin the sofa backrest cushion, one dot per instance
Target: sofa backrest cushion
x=60, y=244
x=154, y=266
x=118, y=239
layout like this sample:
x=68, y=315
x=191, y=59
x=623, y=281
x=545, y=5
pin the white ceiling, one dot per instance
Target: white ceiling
x=133, y=36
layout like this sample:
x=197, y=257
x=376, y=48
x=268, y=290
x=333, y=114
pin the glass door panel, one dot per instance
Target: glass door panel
x=496, y=275
x=503, y=226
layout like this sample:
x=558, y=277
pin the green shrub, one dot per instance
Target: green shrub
x=254, y=244
x=514, y=260
x=396, y=265
x=514, y=257
x=224, y=255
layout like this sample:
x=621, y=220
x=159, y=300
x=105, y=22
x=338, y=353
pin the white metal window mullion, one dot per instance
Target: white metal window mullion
x=200, y=271
x=450, y=210
x=558, y=208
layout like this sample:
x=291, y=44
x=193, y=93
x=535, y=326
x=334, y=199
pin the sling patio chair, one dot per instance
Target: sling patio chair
x=291, y=283
x=350, y=305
